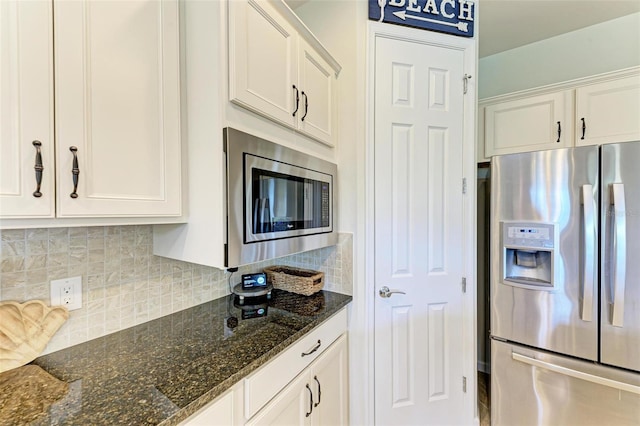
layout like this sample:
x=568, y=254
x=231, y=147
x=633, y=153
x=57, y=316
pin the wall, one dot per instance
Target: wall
x=604, y=47
x=342, y=27
x=123, y=283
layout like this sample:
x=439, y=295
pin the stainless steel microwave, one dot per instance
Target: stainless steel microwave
x=279, y=200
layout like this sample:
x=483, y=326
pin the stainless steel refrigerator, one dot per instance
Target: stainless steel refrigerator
x=565, y=287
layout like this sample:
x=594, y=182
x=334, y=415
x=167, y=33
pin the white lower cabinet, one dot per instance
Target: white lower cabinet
x=307, y=384
x=318, y=396
x=225, y=410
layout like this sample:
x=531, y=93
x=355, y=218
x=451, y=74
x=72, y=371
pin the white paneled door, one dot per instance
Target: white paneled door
x=418, y=234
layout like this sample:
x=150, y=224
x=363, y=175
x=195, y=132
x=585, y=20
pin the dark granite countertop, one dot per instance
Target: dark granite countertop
x=162, y=371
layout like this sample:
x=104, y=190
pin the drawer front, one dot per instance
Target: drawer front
x=265, y=383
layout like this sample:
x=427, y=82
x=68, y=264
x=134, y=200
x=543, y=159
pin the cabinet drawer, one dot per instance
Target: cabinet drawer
x=265, y=383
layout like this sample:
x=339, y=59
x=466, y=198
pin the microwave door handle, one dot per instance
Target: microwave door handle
x=589, y=252
x=256, y=215
x=620, y=253
x=265, y=216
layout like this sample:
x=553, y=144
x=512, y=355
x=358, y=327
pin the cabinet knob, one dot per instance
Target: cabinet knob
x=75, y=171
x=38, y=168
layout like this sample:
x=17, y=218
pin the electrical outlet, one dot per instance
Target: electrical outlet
x=67, y=292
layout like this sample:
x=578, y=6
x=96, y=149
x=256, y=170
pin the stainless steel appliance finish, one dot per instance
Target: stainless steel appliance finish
x=589, y=320
x=546, y=187
x=535, y=387
x=288, y=208
x=620, y=251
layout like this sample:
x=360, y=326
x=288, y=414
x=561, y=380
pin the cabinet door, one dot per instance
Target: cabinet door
x=608, y=112
x=26, y=108
x=218, y=413
x=317, y=85
x=532, y=124
x=262, y=61
x=330, y=384
x=289, y=407
x=118, y=102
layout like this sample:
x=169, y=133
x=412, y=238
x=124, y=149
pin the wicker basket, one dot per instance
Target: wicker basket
x=295, y=280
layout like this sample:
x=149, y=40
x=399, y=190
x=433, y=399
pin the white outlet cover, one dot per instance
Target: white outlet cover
x=67, y=292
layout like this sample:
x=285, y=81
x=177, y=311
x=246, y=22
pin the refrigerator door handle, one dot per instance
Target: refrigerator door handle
x=589, y=252
x=620, y=253
x=627, y=387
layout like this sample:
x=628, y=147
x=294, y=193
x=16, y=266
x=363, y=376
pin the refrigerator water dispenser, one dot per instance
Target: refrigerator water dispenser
x=529, y=254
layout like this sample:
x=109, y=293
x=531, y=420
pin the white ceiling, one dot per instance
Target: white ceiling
x=507, y=24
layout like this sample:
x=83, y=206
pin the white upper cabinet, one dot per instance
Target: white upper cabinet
x=118, y=102
x=262, y=66
x=279, y=70
x=608, y=112
x=530, y=124
x=26, y=110
x=317, y=83
x=116, y=76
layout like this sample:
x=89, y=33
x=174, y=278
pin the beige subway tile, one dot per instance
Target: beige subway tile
x=12, y=264
x=37, y=261
x=12, y=235
x=13, y=248
x=17, y=294
x=37, y=234
x=79, y=232
x=37, y=247
x=36, y=276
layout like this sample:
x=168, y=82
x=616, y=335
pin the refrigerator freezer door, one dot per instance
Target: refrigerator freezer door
x=559, y=187
x=620, y=256
x=533, y=387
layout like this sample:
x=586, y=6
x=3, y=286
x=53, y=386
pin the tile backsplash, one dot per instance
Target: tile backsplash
x=123, y=283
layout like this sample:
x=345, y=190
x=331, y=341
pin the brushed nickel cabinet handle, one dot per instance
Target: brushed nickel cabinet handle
x=75, y=171
x=297, y=100
x=310, y=401
x=319, y=391
x=38, y=168
x=306, y=106
x=315, y=348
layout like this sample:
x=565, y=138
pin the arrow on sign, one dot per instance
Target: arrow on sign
x=462, y=26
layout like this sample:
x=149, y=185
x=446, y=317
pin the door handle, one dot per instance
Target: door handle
x=589, y=252
x=386, y=293
x=620, y=253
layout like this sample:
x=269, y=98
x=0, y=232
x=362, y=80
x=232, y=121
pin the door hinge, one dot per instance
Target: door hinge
x=464, y=185
x=464, y=284
x=464, y=384
x=465, y=83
